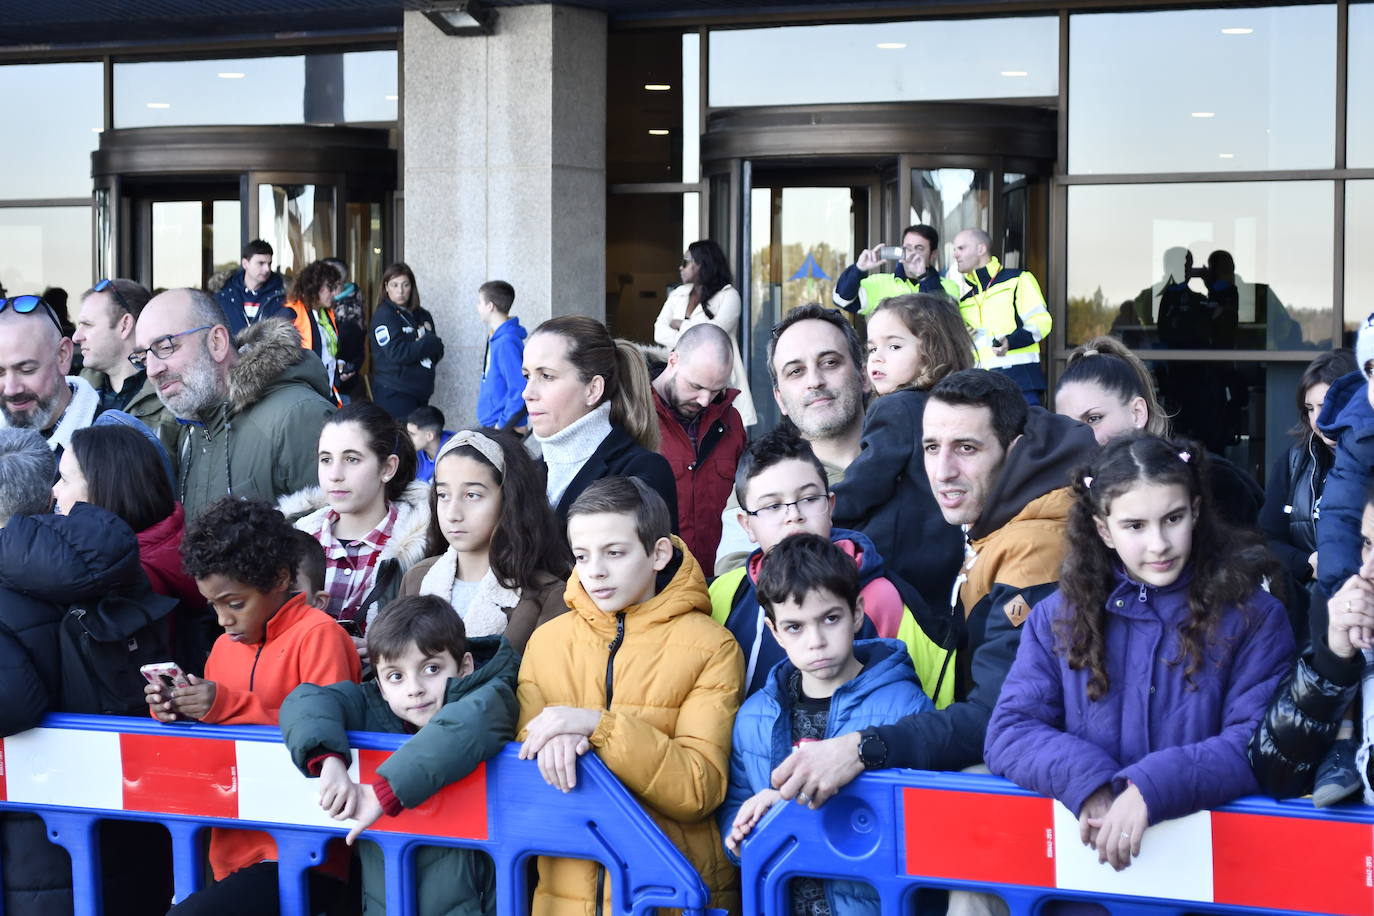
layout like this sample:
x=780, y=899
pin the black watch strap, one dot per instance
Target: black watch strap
x=872, y=749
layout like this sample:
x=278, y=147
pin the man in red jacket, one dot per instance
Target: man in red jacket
x=701, y=433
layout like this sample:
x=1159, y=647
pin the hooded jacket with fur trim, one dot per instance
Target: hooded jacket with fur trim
x=405, y=548
x=260, y=441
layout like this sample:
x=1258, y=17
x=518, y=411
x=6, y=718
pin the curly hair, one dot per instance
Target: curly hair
x=247, y=540
x=315, y=276
x=1228, y=564
x=935, y=321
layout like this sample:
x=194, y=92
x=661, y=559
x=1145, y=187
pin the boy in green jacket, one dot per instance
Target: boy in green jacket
x=426, y=685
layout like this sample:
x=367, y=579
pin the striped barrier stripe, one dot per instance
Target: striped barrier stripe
x=1305, y=864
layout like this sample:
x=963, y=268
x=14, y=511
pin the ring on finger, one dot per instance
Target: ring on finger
x=804, y=798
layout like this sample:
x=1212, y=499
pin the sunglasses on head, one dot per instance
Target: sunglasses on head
x=24, y=305
x=104, y=285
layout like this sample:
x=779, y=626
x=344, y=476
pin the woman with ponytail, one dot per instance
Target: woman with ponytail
x=592, y=411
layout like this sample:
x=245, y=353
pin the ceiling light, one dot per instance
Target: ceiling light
x=460, y=17
x=230, y=76
x=657, y=87
x=892, y=45
x=1240, y=30
x=658, y=132
x=97, y=130
x=1015, y=73
x=1204, y=114
x=159, y=104
x=392, y=98
x=1226, y=155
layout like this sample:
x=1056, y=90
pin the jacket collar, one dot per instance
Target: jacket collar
x=685, y=593
x=1131, y=598
x=409, y=539
x=981, y=277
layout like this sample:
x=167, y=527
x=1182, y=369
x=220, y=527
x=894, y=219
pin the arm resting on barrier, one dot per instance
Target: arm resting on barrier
x=315, y=720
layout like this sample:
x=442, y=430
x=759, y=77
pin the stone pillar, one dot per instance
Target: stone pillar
x=504, y=176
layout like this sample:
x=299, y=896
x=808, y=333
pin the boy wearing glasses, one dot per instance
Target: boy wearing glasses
x=782, y=491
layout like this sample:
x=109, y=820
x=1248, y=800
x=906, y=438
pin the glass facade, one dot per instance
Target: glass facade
x=45, y=246
x=297, y=220
x=53, y=117
x=1359, y=127
x=1359, y=241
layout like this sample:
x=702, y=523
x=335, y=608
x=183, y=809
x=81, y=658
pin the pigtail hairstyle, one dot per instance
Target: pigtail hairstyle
x=1110, y=364
x=592, y=352
x=934, y=320
x=1227, y=564
x=526, y=540
x=384, y=437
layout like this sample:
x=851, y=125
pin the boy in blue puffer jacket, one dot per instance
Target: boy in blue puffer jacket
x=828, y=685
x=1347, y=418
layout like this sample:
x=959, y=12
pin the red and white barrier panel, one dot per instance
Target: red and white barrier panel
x=1227, y=858
x=208, y=778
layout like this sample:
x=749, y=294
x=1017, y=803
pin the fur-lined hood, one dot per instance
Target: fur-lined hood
x=270, y=355
x=409, y=539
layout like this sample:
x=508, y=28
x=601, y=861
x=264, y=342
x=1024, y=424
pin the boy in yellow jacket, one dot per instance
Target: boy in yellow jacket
x=639, y=672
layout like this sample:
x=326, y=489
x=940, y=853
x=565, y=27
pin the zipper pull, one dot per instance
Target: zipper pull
x=1143, y=595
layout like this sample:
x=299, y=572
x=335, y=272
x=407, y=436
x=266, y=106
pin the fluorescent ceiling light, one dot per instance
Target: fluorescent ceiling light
x=1226, y=155
x=392, y=98
x=892, y=45
x=657, y=87
x=460, y=17
x=97, y=130
x=1204, y=114
x=658, y=132
x=1015, y=73
x=230, y=76
x=1239, y=30
x=159, y=104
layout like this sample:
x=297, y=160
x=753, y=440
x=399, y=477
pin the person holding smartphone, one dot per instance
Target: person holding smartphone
x=914, y=272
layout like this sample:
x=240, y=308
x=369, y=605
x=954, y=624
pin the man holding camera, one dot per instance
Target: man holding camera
x=915, y=272
x=1006, y=310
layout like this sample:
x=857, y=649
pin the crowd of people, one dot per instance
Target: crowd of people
x=919, y=567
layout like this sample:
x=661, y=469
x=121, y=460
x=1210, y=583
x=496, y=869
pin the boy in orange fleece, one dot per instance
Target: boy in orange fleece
x=243, y=556
x=639, y=672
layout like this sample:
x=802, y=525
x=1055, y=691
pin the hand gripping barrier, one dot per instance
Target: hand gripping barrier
x=903, y=830
x=74, y=771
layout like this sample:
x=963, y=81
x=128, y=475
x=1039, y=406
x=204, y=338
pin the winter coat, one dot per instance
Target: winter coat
x=705, y=475
x=619, y=455
x=261, y=441
x=886, y=495
x=856, y=292
x=1292, y=503
x=407, y=545
x=301, y=645
x=1304, y=714
x=1236, y=495
x=403, y=359
x=500, y=399
x=1348, y=420
x=668, y=679
x=145, y=407
x=735, y=605
x=477, y=720
x=722, y=310
x=424, y=465
x=883, y=692
x=233, y=294
x=194, y=628
x=534, y=608
x=1181, y=741
x=1015, y=550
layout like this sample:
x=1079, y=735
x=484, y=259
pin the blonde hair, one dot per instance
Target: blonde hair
x=1110, y=364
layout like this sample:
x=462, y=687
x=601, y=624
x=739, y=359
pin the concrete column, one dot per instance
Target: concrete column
x=504, y=176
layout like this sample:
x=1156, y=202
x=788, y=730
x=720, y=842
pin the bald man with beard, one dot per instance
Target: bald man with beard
x=35, y=391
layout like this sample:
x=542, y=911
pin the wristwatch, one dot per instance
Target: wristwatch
x=872, y=749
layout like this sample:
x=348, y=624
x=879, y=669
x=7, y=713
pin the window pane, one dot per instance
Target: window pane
x=885, y=62
x=370, y=92
x=1359, y=125
x=1202, y=90
x=646, y=137
x=1359, y=241
x=45, y=246
x=176, y=243
x=950, y=200
x=52, y=116
x=1202, y=266
x=297, y=220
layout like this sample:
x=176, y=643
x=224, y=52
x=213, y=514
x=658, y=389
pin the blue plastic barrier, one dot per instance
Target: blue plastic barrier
x=75, y=771
x=904, y=830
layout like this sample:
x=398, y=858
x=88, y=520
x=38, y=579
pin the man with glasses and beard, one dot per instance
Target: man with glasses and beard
x=35, y=391
x=252, y=413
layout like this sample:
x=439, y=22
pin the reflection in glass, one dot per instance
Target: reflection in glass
x=1198, y=266
x=45, y=246
x=297, y=220
x=1359, y=125
x=52, y=117
x=1014, y=57
x=256, y=90
x=951, y=200
x=1359, y=267
x=364, y=251
x=226, y=232
x=105, y=263
x=691, y=103
x=1170, y=91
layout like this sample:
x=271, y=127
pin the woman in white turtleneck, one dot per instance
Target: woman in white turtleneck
x=592, y=411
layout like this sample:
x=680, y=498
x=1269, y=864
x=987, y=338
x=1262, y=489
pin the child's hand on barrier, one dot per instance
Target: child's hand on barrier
x=159, y=703
x=557, y=720
x=338, y=793
x=755, y=807
x=1121, y=829
x=1094, y=809
x=558, y=760
x=369, y=809
x=193, y=702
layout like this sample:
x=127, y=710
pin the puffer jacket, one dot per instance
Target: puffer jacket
x=231, y=296
x=477, y=720
x=1348, y=420
x=1015, y=550
x=883, y=692
x=1300, y=725
x=1181, y=740
x=261, y=441
x=705, y=474
x=676, y=679
x=405, y=548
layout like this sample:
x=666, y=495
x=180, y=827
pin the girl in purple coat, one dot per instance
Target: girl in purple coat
x=1137, y=686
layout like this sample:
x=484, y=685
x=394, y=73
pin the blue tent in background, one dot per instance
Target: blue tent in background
x=809, y=270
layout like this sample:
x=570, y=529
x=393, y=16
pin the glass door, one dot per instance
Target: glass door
x=181, y=234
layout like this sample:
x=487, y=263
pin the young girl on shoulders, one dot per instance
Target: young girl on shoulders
x=506, y=565
x=1137, y=686
x=369, y=513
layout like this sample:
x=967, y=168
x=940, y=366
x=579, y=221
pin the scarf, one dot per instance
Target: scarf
x=486, y=613
x=80, y=413
x=568, y=449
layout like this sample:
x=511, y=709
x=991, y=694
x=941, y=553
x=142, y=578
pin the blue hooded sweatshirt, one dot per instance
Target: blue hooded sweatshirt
x=499, y=401
x=1348, y=420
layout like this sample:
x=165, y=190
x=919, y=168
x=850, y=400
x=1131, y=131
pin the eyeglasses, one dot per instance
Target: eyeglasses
x=162, y=348
x=775, y=511
x=27, y=304
x=104, y=285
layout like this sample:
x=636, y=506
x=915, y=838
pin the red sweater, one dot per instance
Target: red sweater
x=302, y=646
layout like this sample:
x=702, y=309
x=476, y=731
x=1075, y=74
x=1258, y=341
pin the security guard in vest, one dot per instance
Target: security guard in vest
x=858, y=293
x=1005, y=310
